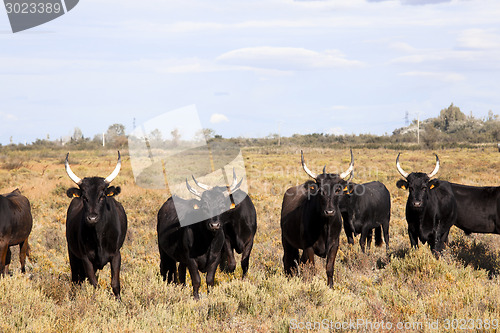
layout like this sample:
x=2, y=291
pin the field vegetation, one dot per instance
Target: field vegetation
x=404, y=285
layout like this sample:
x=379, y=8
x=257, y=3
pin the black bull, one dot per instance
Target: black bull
x=15, y=227
x=201, y=246
x=311, y=220
x=96, y=226
x=365, y=207
x=431, y=208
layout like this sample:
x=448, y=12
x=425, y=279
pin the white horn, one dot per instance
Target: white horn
x=115, y=172
x=436, y=169
x=400, y=169
x=235, y=185
x=306, y=169
x=350, y=169
x=192, y=190
x=70, y=173
x=200, y=185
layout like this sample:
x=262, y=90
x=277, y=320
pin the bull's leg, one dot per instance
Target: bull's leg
x=245, y=257
x=440, y=242
x=378, y=236
x=330, y=261
x=23, y=251
x=290, y=257
x=182, y=274
x=195, y=278
x=77, y=270
x=115, y=274
x=210, y=278
x=167, y=267
x=4, y=248
x=413, y=235
x=228, y=261
x=347, y=228
x=89, y=271
x=385, y=228
x=307, y=256
x=7, y=260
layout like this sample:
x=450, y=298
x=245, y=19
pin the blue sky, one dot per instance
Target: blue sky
x=250, y=67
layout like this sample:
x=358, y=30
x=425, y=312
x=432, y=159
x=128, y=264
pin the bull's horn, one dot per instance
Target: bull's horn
x=350, y=169
x=201, y=185
x=324, y=169
x=401, y=171
x=235, y=185
x=306, y=169
x=115, y=172
x=436, y=169
x=192, y=190
x=70, y=173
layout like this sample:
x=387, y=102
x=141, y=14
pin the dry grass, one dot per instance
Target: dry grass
x=406, y=286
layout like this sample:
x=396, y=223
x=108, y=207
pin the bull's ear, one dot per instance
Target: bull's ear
x=312, y=188
x=348, y=188
x=74, y=192
x=433, y=184
x=402, y=184
x=112, y=191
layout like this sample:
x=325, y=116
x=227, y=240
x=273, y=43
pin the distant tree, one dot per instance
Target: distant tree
x=77, y=135
x=115, y=130
x=448, y=116
x=205, y=134
x=176, y=136
x=492, y=116
x=115, y=136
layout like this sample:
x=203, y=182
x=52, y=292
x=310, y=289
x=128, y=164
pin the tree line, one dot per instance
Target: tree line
x=451, y=128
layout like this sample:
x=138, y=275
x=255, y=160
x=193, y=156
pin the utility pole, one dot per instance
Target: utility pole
x=279, y=133
x=418, y=128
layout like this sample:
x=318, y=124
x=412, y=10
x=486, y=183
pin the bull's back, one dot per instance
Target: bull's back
x=478, y=208
x=16, y=220
x=293, y=201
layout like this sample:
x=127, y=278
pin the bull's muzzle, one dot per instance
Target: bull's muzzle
x=92, y=218
x=214, y=225
x=329, y=212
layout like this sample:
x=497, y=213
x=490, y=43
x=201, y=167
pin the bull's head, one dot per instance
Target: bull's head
x=93, y=192
x=418, y=183
x=327, y=186
x=214, y=200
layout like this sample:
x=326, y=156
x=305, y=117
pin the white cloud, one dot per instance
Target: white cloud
x=8, y=116
x=479, y=39
x=286, y=58
x=441, y=76
x=216, y=118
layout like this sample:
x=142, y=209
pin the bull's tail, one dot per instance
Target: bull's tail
x=378, y=236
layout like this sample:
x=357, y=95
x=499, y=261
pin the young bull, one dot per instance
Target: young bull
x=311, y=219
x=431, y=208
x=96, y=226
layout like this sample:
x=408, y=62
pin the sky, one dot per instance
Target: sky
x=251, y=68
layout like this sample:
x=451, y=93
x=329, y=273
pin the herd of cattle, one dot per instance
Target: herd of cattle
x=312, y=217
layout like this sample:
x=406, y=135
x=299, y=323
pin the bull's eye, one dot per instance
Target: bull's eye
x=338, y=189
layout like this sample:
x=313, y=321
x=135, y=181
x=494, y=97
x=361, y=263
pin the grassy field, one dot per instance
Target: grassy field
x=407, y=287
